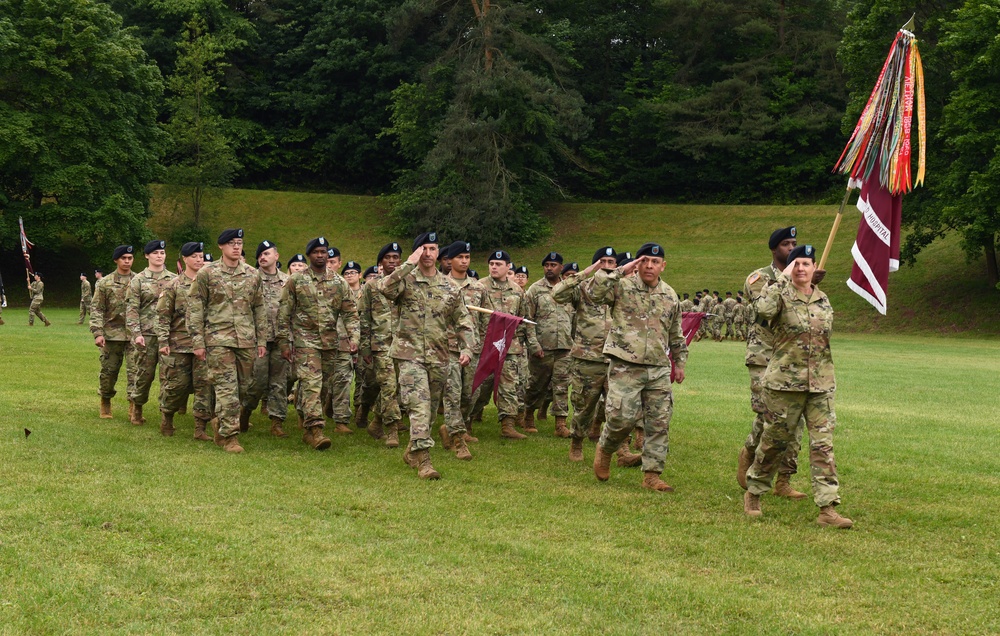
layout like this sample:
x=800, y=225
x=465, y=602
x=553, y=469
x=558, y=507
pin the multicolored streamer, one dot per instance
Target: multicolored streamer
x=882, y=135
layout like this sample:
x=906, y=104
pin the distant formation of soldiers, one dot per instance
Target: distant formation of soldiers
x=728, y=318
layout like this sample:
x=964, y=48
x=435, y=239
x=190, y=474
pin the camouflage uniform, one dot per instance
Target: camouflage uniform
x=589, y=366
x=644, y=339
x=181, y=372
x=739, y=321
x=706, y=306
x=226, y=317
x=552, y=336
x=35, y=290
x=507, y=297
x=715, y=324
x=107, y=318
x=311, y=306
x=687, y=305
x=337, y=393
x=86, y=292
x=270, y=373
x=458, y=391
x=799, y=381
x=379, y=320
x=728, y=313
x=759, y=346
x=140, y=319
x=428, y=308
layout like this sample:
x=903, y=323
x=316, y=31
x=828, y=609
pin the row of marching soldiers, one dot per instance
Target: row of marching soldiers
x=729, y=317
x=236, y=336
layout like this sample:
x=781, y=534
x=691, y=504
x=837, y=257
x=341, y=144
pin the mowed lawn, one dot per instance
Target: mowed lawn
x=106, y=528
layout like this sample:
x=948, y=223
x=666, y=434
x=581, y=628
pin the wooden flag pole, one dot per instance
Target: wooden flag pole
x=483, y=310
x=833, y=230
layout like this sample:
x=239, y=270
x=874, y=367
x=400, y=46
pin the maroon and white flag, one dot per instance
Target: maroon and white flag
x=690, y=321
x=876, y=249
x=500, y=333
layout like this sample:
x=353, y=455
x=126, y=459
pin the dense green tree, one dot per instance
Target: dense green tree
x=200, y=156
x=79, y=141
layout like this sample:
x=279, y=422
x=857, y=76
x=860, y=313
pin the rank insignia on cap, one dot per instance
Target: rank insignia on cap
x=239, y=233
x=609, y=252
x=791, y=231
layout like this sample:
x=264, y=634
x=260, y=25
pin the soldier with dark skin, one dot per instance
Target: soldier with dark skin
x=107, y=324
x=35, y=291
x=429, y=306
x=799, y=386
x=227, y=321
x=86, y=293
x=140, y=320
x=312, y=304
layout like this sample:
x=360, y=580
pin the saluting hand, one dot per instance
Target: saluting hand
x=414, y=258
x=634, y=265
x=590, y=270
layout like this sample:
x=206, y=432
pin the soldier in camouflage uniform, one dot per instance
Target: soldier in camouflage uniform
x=35, y=292
x=799, y=384
x=86, y=293
x=549, y=343
x=379, y=320
x=337, y=392
x=504, y=295
x=687, y=305
x=351, y=273
x=140, y=320
x=758, y=355
x=107, y=324
x=647, y=352
x=728, y=314
x=458, y=396
x=589, y=369
x=227, y=321
x=312, y=304
x=181, y=372
x=270, y=373
x=739, y=320
x=429, y=306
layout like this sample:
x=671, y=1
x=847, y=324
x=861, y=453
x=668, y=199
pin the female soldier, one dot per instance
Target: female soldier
x=799, y=380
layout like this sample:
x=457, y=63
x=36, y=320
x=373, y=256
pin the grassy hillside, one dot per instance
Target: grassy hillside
x=707, y=246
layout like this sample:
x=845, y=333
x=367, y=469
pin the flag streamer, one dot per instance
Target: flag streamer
x=26, y=246
x=882, y=136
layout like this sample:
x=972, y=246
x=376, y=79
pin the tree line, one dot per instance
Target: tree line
x=469, y=115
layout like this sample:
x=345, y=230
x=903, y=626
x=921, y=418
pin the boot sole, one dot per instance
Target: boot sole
x=325, y=444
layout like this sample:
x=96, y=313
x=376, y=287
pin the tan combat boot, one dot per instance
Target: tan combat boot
x=131, y=409
x=445, y=437
x=361, y=417
x=594, y=432
x=652, y=481
x=529, y=421
x=410, y=456
x=543, y=413
x=218, y=439
x=751, y=504
x=507, y=429
x=783, y=488
x=343, y=428
x=106, y=409
x=47, y=323
x=519, y=420
x=199, y=430
x=318, y=440
x=245, y=419
x=231, y=444
x=743, y=464
x=374, y=427
x=640, y=439
x=467, y=435
x=276, y=428
x=627, y=459
x=458, y=445
x=424, y=468
x=392, y=436
x=561, y=430
x=576, y=450
x=263, y=405
x=829, y=518
x=137, y=418
x=167, y=425
x=602, y=464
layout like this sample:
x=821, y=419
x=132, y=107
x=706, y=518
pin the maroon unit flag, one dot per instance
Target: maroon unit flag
x=26, y=246
x=690, y=321
x=876, y=249
x=496, y=343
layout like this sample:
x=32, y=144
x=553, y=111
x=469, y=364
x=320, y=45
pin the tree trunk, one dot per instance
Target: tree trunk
x=990, y=248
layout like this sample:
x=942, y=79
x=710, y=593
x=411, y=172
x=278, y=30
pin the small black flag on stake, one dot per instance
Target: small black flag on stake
x=26, y=433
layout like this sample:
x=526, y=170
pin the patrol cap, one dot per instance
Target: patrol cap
x=371, y=270
x=389, y=248
x=424, y=239
x=263, y=247
x=523, y=269
x=570, y=267
x=650, y=249
x=152, y=246
x=500, y=255
x=120, y=251
x=298, y=258
x=552, y=257
x=230, y=234
x=190, y=248
x=208, y=258
x=780, y=235
x=459, y=247
x=333, y=252
x=802, y=251
x=604, y=252
x=473, y=274
x=353, y=265
x=317, y=242
x=624, y=258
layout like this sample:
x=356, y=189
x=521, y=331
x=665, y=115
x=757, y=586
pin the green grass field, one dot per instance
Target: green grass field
x=106, y=528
